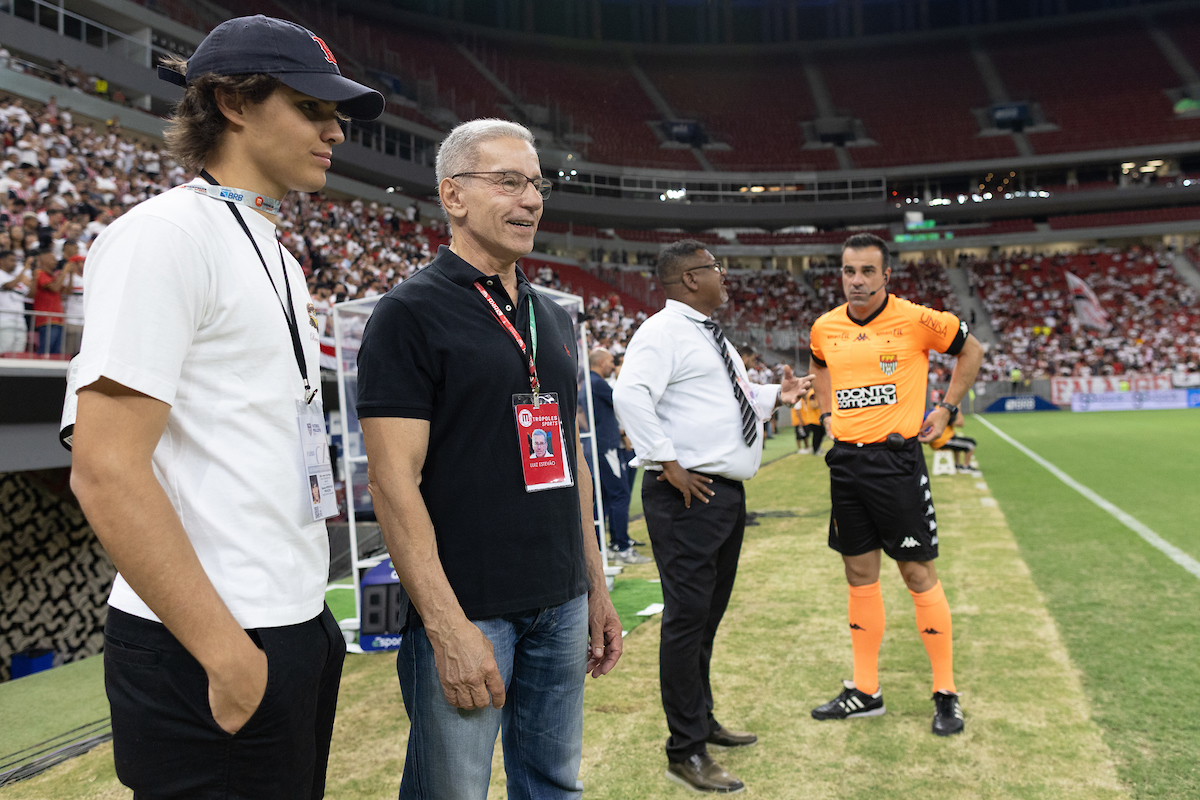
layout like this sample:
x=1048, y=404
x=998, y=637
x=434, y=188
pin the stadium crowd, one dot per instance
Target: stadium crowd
x=63, y=183
x=1152, y=313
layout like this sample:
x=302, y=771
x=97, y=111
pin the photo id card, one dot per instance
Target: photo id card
x=540, y=436
x=318, y=470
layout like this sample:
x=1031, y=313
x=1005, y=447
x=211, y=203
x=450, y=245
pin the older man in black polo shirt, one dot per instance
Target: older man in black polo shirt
x=459, y=366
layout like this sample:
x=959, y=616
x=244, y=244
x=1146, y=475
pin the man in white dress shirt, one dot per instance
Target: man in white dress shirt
x=693, y=416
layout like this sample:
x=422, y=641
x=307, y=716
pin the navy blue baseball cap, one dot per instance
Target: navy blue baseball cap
x=295, y=55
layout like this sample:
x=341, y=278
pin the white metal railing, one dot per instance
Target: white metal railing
x=56, y=338
x=70, y=24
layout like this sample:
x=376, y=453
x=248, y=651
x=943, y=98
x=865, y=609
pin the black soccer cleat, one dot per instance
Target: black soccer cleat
x=948, y=714
x=851, y=703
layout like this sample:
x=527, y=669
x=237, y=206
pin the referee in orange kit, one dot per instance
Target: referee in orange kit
x=870, y=359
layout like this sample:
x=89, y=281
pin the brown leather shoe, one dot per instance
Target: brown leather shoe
x=723, y=737
x=701, y=774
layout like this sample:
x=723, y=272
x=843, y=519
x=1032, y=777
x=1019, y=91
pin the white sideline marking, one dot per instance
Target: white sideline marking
x=1153, y=539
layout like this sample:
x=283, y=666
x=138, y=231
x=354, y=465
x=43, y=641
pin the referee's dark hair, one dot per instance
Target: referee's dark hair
x=861, y=241
x=671, y=258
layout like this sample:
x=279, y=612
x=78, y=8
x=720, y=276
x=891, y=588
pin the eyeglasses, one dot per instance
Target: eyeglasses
x=512, y=182
x=716, y=266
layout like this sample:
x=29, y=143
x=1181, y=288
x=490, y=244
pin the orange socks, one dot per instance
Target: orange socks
x=866, y=634
x=933, y=623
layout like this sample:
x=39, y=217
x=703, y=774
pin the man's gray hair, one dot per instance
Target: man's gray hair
x=459, y=151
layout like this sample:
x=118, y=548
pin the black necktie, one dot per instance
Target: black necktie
x=749, y=418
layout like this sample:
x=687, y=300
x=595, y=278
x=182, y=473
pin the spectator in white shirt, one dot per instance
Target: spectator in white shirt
x=14, y=286
x=73, y=300
x=693, y=416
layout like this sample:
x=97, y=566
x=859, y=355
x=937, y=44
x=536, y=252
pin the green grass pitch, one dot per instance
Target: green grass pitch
x=1129, y=616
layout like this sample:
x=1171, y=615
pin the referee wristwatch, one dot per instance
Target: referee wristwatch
x=951, y=408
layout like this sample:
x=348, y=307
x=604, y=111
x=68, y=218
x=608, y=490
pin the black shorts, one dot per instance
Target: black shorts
x=963, y=444
x=881, y=499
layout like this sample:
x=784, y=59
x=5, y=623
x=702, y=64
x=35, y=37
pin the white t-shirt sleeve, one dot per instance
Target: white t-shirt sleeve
x=145, y=295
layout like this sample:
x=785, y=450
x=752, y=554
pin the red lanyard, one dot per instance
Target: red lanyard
x=534, y=384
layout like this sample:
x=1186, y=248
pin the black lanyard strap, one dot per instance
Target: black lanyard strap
x=289, y=310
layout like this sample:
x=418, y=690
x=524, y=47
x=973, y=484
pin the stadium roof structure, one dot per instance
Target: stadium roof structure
x=1057, y=109
x=738, y=21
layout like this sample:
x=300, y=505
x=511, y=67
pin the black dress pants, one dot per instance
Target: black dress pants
x=697, y=552
x=166, y=743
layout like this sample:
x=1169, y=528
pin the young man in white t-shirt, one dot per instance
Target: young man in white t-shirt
x=199, y=430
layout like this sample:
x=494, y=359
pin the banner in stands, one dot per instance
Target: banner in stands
x=1186, y=380
x=1087, y=305
x=1061, y=389
x=1132, y=401
x=1021, y=402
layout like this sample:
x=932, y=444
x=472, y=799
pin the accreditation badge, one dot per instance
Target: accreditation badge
x=542, y=444
x=318, y=469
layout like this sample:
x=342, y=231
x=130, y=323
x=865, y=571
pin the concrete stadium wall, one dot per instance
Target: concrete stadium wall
x=54, y=575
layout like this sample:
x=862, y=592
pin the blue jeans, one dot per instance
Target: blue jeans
x=542, y=657
x=49, y=339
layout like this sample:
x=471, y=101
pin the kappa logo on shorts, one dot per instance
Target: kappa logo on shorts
x=910, y=542
x=929, y=510
x=933, y=524
x=888, y=362
x=883, y=394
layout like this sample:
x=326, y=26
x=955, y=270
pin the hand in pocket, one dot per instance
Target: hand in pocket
x=236, y=691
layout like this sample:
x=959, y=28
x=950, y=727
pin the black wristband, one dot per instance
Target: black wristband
x=821, y=419
x=952, y=409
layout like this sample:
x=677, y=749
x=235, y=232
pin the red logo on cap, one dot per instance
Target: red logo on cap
x=328, y=55
x=258, y=202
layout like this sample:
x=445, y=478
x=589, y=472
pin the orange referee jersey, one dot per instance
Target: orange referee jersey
x=879, y=369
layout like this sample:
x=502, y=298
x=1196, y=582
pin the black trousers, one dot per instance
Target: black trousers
x=697, y=552
x=818, y=434
x=166, y=743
